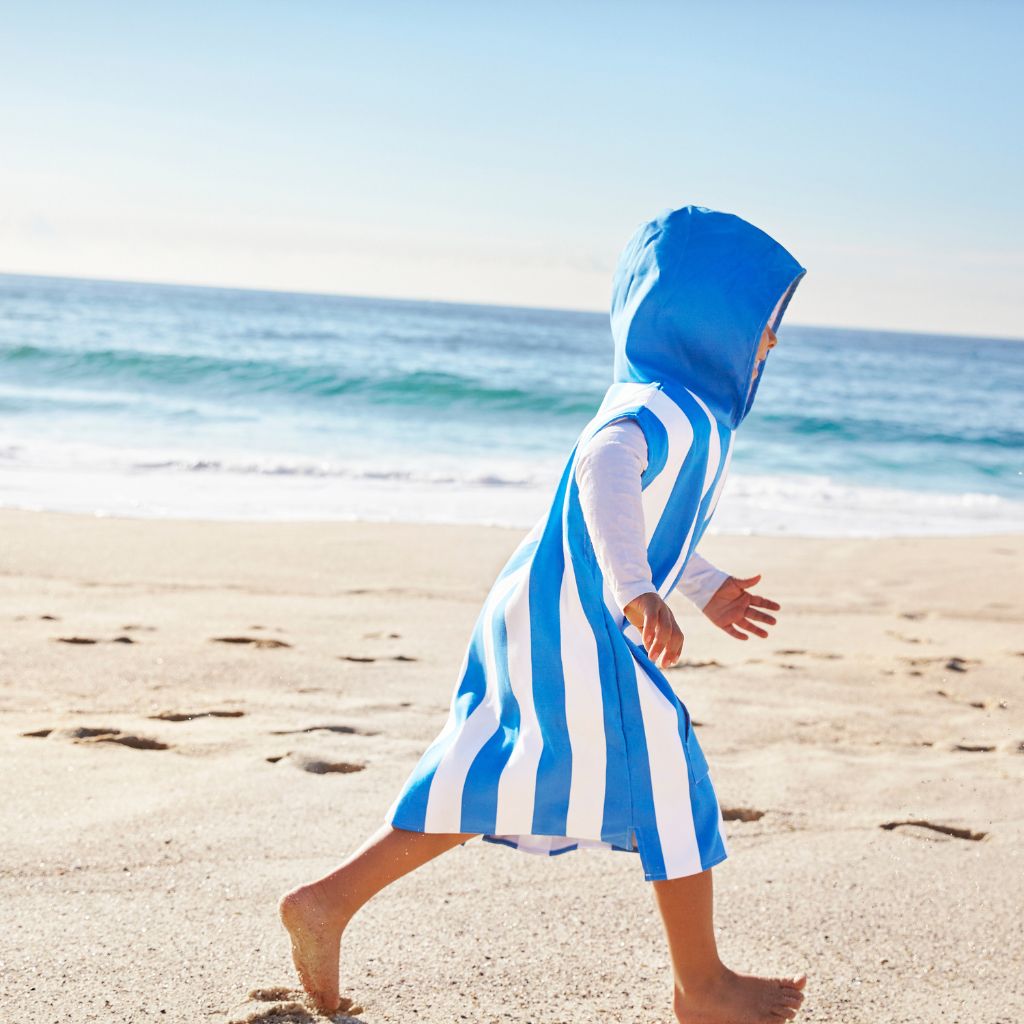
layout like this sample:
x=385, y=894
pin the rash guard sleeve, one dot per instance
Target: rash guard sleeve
x=608, y=472
x=700, y=580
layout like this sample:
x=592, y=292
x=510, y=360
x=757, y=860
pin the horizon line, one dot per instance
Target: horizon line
x=953, y=335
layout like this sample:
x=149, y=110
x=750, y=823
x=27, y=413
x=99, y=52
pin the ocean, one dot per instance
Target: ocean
x=164, y=400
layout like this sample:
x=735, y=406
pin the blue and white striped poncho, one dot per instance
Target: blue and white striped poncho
x=562, y=733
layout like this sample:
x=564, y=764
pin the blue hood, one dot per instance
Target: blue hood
x=691, y=296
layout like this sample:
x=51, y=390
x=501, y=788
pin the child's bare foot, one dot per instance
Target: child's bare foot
x=316, y=943
x=741, y=999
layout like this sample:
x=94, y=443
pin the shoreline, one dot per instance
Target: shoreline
x=725, y=525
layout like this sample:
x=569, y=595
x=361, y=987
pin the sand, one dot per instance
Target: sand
x=194, y=717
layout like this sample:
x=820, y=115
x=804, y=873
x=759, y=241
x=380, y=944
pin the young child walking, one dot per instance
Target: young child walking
x=563, y=731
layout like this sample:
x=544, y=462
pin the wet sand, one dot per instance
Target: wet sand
x=195, y=717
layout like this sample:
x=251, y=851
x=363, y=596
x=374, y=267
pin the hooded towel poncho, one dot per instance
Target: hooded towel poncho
x=562, y=733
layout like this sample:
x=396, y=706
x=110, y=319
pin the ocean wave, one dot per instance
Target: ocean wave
x=889, y=431
x=339, y=471
x=411, y=469
x=248, y=376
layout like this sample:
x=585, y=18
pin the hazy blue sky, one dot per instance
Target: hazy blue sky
x=504, y=153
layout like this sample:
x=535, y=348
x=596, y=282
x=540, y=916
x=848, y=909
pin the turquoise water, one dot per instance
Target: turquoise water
x=154, y=399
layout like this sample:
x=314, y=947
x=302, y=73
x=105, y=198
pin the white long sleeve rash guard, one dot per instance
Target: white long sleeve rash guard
x=608, y=472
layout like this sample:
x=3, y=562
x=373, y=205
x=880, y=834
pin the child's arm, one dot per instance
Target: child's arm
x=608, y=474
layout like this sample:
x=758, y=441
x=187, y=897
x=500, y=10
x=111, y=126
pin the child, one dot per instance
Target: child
x=563, y=732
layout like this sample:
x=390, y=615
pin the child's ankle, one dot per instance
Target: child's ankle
x=325, y=906
x=333, y=905
x=702, y=981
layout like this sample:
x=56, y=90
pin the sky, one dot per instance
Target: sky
x=504, y=153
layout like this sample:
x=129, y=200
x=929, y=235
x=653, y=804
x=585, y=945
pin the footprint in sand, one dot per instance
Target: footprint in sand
x=345, y=730
x=741, y=814
x=983, y=704
x=953, y=664
x=792, y=651
x=906, y=639
x=975, y=748
x=102, y=734
x=271, y=995
x=128, y=740
x=77, y=733
x=288, y=1005
x=254, y=641
x=399, y=705
x=187, y=716
x=319, y=766
x=364, y=658
x=92, y=640
x=920, y=828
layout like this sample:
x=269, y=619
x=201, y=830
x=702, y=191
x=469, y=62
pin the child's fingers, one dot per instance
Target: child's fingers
x=668, y=645
x=748, y=582
x=675, y=647
x=753, y=613
x=663, y=641
x=751, y=628
x=673, y=639
x=657, y=646
x=650, y=629
x=733, y=631
x=764, y=602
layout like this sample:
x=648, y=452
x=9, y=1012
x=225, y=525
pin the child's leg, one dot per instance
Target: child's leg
x=706, y=991
x=316, y=914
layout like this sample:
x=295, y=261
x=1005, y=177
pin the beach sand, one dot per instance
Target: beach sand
x=163, y=786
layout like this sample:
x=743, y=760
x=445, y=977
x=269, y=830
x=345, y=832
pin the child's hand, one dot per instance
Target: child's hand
x=733, y=606
x=663, y=639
